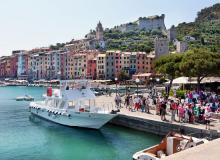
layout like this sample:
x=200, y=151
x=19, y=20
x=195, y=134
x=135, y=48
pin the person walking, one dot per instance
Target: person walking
x=143, y=104
x=181, y=112
x=136, y=103
x=163, y=110
x=173, y=108
x=130, y=103
x=207, y=117
x=126, y=101
x=147, y=105
x=117, y=101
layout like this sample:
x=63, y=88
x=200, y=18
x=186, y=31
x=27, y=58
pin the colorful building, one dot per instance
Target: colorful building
x=91, y=68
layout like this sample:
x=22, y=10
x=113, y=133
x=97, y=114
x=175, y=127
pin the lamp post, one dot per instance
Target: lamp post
x=116, y=79
x=151, y=83
x=137, y=81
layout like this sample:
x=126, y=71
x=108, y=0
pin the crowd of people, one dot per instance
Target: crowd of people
x=194, y=107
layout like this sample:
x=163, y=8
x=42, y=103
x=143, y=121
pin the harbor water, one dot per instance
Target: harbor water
x=25, y=137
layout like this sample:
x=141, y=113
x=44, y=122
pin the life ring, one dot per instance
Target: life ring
x=190, y=145
x=82, y=109
x=178, y=148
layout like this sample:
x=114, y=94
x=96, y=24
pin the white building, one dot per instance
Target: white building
x=22, y=60
x=181, y=46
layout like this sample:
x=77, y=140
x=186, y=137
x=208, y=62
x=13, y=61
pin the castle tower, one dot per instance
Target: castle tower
x=99, y=32
x=161, y=46
x=171, y=35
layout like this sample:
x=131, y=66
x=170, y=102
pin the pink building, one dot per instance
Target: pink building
x=144, y=62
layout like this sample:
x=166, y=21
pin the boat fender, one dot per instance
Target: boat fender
x=53, y=116
x=190, y=145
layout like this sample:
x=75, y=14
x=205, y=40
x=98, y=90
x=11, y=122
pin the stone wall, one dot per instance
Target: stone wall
x=161, y=128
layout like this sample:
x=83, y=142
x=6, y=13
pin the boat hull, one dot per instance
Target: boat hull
x=75, y=119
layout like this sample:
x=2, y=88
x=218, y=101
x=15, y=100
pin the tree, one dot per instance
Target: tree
x=123, y=76
x=169, y=66
x=200, y=63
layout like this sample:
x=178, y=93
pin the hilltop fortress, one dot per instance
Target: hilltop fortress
x=144, y=23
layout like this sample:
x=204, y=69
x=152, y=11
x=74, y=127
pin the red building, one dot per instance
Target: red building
x=117, y=63
x=13, y=66
x=2, y=67
x=91, y=68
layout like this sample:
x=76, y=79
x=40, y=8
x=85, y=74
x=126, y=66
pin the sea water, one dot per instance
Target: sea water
x=26, y=137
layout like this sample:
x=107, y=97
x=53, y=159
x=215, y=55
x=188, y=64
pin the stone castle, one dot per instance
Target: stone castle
x=144, y=23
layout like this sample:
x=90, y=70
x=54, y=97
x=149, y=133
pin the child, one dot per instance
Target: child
x=181, y=112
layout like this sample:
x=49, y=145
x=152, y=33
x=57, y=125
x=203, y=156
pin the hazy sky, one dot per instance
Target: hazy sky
x=26, y=24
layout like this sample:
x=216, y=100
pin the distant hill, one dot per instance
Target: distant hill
x=205, y=29
x=210, y=13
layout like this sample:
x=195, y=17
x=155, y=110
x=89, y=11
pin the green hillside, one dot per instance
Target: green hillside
x=206, y=29
x=131, y=41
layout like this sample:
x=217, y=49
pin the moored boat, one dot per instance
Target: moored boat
x=24, y=98
x=73, y=105
x=171, y=144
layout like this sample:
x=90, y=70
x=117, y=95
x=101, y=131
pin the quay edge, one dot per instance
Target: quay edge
x=161, y=128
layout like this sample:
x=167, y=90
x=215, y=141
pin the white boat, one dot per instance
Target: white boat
x=73, y=105
x=171, y=144
x=24, y=98
x=20, y=98
x=28, y=98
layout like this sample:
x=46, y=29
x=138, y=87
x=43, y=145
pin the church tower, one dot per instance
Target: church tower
x=99, y=32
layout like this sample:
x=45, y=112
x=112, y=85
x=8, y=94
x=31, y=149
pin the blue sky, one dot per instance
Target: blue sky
x=26, y=24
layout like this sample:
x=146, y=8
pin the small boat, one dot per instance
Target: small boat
x=24, y=98
x=28, y=98
x=73, y=105
x=171, y=144
x=20, y=98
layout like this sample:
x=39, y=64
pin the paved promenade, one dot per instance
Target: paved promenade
x=215, y=123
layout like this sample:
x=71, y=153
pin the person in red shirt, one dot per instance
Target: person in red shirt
x=173, y=108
